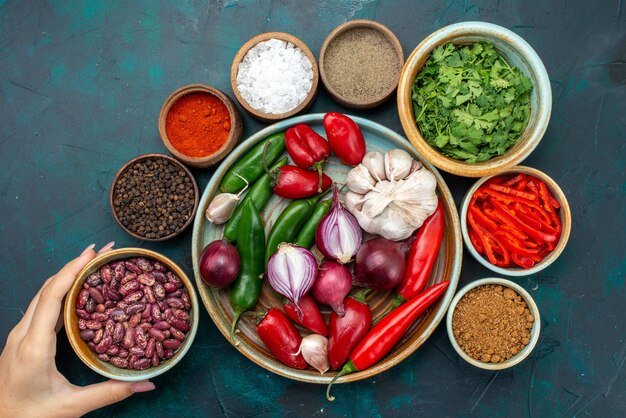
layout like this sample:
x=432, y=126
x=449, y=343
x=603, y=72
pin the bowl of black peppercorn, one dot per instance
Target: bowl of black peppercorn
x=154, y=197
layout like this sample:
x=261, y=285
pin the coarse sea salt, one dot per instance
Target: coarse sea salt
x=275, y=77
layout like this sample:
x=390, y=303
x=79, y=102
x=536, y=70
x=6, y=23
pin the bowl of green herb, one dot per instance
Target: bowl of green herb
x=474, y=99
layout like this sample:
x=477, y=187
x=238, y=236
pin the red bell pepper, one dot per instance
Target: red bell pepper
x=422, y=255
x=281, y=338
x=307, y=149
x=346, y=332
x=293, y=182
x=345, y=138
x=383, y=336
x=312, y=319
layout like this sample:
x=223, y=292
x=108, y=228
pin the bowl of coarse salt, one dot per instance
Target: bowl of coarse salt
x=274, y=76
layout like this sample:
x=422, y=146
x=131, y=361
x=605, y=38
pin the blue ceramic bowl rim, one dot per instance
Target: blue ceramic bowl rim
x=457, y=246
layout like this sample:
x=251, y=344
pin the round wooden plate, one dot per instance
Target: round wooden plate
x=447, y=266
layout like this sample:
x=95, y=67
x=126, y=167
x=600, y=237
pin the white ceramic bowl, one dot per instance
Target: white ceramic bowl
x=518, y=53
x=534, y=332
x=564, y=214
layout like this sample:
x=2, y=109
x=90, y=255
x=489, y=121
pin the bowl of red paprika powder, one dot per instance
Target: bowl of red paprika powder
x=199, y=125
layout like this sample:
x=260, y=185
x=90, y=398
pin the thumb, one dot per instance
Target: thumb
x=96, y=396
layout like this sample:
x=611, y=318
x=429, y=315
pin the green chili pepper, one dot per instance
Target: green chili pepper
x=306, y=236
x=250, y=167
x=289, y=223
x=245, y=291
x=260, y=194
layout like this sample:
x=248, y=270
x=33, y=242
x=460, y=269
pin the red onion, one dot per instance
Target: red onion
x=291, y=272
x=219, y=264
x=379, y=264
x=338, y=236
x=332, y=285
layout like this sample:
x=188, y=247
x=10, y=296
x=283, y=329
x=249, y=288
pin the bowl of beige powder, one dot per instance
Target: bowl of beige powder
x=493, y=323
x=360, y=64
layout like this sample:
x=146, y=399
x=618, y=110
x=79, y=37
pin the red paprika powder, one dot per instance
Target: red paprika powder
x=198, y=124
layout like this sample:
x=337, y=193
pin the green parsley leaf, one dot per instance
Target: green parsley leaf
x=470, y=103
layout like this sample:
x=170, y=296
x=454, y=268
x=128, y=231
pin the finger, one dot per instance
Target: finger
x=48, y=307
x=106, y=247
x=102, y=250
x=88, y=398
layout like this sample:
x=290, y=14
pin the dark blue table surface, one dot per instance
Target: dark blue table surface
x=81, y=84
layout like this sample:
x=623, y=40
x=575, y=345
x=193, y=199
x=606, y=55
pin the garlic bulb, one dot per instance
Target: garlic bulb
x=397, y=204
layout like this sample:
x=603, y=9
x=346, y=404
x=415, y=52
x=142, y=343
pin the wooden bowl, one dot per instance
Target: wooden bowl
x=518, y=53
x=355, y=24
x=145, y=157
x=564, y=214
x=236, y=126
x=534, y=332
x=217, y=301
x=234, y=69
x=90, y=358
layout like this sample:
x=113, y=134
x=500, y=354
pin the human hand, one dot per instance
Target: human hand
x=30, y=384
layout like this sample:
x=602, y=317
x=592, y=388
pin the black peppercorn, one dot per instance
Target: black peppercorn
x=153, y=198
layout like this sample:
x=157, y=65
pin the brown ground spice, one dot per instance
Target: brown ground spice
x=362, y=65
x=492, y=323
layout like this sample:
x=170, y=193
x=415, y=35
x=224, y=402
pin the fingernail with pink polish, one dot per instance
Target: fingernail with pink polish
x=107, y=247
x=88, y=249
x=145, y=386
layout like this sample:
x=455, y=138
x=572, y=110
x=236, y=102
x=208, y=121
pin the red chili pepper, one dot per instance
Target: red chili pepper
x=281, y=338
x=346, y=332
x=293, y=182
x=312, y=319
x=307, y=148
x=422, y=255
x=345, y=138
x=383, y=336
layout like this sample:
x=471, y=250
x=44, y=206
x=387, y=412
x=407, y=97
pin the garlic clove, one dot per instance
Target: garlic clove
x=375, y=164
x=398, y=164
x=353, y=201
x=359, y=180
x=417, y=165
x=221, y=208
x=314, y=349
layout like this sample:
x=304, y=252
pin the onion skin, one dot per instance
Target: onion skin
x=380, y=264
x=291, y=271
x=219, y=264
x=332, y=285
x=338, y=235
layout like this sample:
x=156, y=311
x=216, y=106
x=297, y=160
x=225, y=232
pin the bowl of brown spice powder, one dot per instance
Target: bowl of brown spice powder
x=360, y=64
x=493, y=323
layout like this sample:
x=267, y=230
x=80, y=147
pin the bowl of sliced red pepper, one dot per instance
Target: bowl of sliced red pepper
x=516, y=223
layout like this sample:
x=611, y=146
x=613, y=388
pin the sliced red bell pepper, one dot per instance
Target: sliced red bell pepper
x=513, y=192
x=538, y=235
